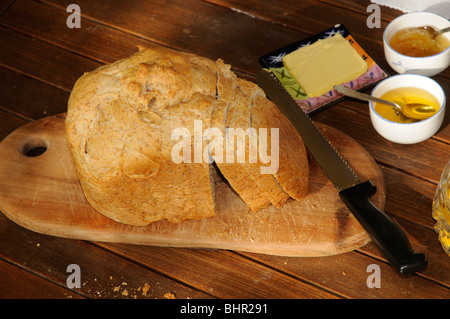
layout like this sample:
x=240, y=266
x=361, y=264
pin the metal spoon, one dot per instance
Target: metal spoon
x=413, y=110
x=434, y=33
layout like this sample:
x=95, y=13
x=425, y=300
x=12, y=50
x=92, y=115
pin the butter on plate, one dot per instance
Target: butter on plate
x=323, y=64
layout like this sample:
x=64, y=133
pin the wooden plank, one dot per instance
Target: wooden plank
x=9, y=123
x=409, y=197
x=4, y=5
x=30, y=98
x=42, y=61
x=93, y=40
x=17, y=283
x=349, y=274
x=221, y=273
x=387, y=14
x=238, y=39
x=103, y=275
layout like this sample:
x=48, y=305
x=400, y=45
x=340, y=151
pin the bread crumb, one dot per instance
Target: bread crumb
x=116, y=289
x=169, y=295
x=125, y=293
x=145, y=289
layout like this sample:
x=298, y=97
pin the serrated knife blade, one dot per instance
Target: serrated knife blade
x=355, y=194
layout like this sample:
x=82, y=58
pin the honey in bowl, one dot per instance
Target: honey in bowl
x=416, y=42
x=405, y=96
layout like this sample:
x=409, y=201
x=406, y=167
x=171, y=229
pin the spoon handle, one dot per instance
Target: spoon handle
x=361, y=96
x=444, y=30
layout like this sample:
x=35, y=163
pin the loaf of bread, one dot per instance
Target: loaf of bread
x=140, y=134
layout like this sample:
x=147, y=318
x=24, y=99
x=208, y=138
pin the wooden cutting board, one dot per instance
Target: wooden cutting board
x=42, y=193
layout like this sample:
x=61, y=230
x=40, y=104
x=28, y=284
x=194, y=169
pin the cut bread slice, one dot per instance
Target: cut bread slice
x=234, y=173
x=239, y=119
x=293, y=169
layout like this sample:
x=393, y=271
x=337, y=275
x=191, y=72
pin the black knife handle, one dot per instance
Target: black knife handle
x=389, y=237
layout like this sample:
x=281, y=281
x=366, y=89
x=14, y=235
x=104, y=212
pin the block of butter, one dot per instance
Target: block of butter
x=323, y=64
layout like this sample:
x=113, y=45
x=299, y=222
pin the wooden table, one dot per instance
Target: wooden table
x=41, y=58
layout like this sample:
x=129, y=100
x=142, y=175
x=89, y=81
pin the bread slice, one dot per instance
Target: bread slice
x=293, y=169
x=239, y=118
x=228, y=97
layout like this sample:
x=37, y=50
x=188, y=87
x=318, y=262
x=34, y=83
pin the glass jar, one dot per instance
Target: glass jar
x=441, y=209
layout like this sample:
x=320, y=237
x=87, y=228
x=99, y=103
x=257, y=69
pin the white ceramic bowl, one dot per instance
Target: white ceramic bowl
x=408, y=133
x=427, y=66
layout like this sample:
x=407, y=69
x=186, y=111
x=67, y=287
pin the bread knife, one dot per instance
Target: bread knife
x=355, y=194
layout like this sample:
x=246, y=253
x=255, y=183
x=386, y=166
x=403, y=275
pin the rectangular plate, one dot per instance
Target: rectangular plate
x=310, y=105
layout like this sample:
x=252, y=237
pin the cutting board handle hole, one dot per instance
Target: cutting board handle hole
x=34, y=147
